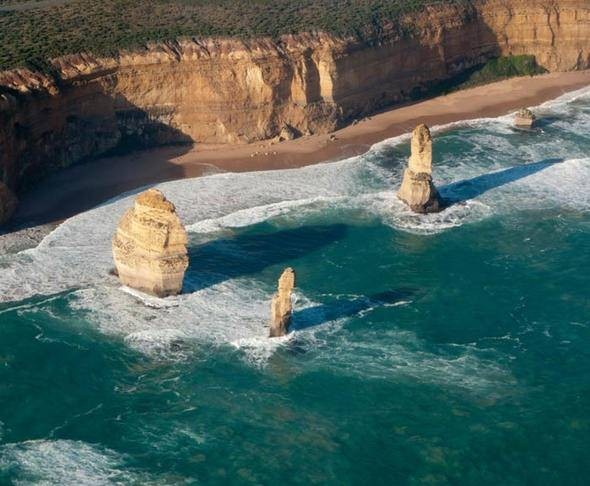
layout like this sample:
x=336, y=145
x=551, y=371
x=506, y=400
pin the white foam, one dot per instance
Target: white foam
x=567, y=98
x=77, y=253
x=396, y=355
x=559, y=184
x=64, y=462
x=218, y=315
x=259, y=214
x=233, y=312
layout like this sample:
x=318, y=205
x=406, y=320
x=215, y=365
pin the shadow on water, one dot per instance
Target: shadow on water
x=461, y=191
x=320, y=314
x=248, y=253
x=547, y=121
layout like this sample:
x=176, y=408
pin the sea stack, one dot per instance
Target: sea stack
x=149, y=247
x=417, y=189
x=281, y=308
x=524, y=118
x=8, y=203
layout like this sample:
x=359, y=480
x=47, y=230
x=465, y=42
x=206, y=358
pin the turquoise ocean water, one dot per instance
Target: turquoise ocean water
x=441, y=349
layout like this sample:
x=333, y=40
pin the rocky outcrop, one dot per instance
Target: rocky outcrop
x=230, y=90
x=417, y=189
x=281, y=308
x=8, y=203
x=524, y=118
x=149, y=247
x=287, y=133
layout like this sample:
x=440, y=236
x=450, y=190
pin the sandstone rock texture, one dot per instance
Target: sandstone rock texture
x=287, y=133
x=8, y=203
x=417, y=189
x=230, y=90
x=149, y=247
x=281, y=308
x=524, y=118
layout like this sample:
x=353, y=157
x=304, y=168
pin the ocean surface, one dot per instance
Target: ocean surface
x=441, y=349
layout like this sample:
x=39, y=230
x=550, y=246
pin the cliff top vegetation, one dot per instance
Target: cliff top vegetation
x=33, y=31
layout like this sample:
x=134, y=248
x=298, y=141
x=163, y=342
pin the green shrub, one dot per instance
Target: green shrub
x=503, y=68
x=58, y=27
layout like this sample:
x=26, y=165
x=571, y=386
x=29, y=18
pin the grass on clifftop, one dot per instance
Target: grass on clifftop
x=33, y=31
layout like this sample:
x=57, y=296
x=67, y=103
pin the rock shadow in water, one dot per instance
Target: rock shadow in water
x=320, y=314
x=247, y=254
x=461, y=191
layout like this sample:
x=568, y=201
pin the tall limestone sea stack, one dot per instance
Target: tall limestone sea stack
x=149, y=247
x=417, y=189
x=8, y=203
x=281, y=308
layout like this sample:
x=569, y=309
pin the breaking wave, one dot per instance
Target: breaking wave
x=64, y=462
x=484, y=168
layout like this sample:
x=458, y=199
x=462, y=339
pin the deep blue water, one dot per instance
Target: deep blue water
x=440, y=349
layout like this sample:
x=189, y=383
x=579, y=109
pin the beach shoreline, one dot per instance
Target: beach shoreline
x=81, y=187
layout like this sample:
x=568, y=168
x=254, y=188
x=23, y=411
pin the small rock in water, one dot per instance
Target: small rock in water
x=282, y=308
x=149, y=247
x=525, y=118
x=417, y=189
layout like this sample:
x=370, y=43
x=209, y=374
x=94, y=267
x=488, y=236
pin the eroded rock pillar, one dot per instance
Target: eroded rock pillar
x=149, y=247
x=282, y=308
x=417, y=189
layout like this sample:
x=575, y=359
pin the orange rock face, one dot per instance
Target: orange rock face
x=524, y=118
x=417, y=189
x=149, y=247
x=281, y=307
x=229, y=90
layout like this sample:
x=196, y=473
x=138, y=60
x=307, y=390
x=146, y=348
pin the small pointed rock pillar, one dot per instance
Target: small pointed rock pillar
x=8, y=203
x=281, y=308
x=417, y=189
x=149, y=247
x=524, y=118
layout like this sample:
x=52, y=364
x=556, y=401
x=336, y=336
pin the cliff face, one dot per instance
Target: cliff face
x=239, y=91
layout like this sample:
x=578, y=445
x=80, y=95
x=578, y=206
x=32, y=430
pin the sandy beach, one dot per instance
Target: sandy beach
x=82, y=187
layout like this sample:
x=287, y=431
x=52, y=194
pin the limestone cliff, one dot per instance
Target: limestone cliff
x=227, y=90
x=149, y=246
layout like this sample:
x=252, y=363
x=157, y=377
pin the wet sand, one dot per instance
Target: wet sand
x=82, y=187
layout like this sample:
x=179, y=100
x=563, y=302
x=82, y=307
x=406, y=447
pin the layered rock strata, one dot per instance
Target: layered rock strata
x=149, y=246
x=281, y=308
x=524, y=118
x=229, y=90
x=417, y=189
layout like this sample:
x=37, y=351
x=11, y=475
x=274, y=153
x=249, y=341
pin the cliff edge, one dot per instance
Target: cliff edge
x=239, y=91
